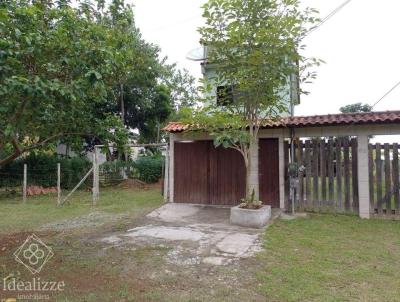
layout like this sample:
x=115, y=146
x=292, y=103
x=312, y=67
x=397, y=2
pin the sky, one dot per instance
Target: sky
x=360, y=46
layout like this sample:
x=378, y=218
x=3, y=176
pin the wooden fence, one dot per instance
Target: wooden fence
x=384, y=179
x=329, y=181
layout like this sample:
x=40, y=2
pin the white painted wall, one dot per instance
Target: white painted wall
x=209, y=72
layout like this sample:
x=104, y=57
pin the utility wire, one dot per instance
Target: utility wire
x=330, y=15
x=386, y=94
x=377, y=102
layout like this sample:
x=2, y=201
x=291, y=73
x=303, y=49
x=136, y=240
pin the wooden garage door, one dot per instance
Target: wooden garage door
x=269, y=171
x=207, y=175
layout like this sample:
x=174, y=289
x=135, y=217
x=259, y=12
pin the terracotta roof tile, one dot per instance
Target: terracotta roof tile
x=382, y=117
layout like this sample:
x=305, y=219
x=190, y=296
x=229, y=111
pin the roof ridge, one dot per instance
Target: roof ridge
x=389, y=116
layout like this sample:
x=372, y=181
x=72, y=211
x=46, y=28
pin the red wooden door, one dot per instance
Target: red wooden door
x=227, y=176
x=269, y=171
x=191, y=170
x=207, y=175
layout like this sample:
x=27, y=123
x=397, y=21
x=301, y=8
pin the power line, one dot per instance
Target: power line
x=330, y=15
x=377, y=102
x=386, y=94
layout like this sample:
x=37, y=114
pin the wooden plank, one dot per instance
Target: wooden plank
x=354, y=175
x=300, y=188
x=378, y=164
x=346, y=162
x=331, y=184
x=322, y=164
x=371, y=167
x=395, y=178
x=339, y=172
x=307, y=156
x=315, y=173
x=388, y=180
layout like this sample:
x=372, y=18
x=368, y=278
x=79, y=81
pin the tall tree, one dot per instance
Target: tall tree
x=254, y=48
x=53, y=65
x=69, y=73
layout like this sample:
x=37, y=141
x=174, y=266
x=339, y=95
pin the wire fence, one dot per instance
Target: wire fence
x=11, y=184
x=45, y=181
x=39, y=181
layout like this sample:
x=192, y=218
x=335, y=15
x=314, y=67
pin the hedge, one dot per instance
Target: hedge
x=149, y=168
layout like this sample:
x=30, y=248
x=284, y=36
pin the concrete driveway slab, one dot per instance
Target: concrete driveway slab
x=195, y=234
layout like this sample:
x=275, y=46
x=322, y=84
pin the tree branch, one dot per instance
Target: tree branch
x=19, y=151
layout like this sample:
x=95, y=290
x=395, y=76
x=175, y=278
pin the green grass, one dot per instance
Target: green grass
x=38, y=210
x=321, y=258
x=331, y=258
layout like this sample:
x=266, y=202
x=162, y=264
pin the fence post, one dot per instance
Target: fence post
x=363, y=176
x=282, y=160
x=166, y=175
x=25, y=183
x=95, y=189
x=58, y=183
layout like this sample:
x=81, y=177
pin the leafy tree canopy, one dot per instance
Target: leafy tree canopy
x=65, y=69
x=356, y=107
x=255, y=47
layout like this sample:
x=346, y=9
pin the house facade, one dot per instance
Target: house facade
x=220, y=93
x=201, y=174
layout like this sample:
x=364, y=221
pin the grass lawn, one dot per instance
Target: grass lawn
x=38, y=210
x=331, y=258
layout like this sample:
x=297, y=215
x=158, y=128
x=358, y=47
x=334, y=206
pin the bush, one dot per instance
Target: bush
x=42, y=171
x=149, y=168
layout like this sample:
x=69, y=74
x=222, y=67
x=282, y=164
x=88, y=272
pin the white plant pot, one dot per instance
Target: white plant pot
x=249, y=217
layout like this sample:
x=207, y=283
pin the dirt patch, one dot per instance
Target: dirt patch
x=120, y=269
x=138, y=184
x=9, y=242
x=93, y=219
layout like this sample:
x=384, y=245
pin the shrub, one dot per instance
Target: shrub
x=149, y=168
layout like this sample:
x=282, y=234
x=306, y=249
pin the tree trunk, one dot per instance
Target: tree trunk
x=252, y=182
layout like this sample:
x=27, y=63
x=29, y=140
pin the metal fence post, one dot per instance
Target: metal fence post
x=95, y=189
x=58, y=184
x=166, y=175
x=25, y=183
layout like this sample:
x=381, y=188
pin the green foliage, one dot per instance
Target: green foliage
x=356, y=107
x=146, y=168
x=55, y=72
x=68, y=72
x=149, y=168
x=255, y=47
x=115, y=165
x=42, y=171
